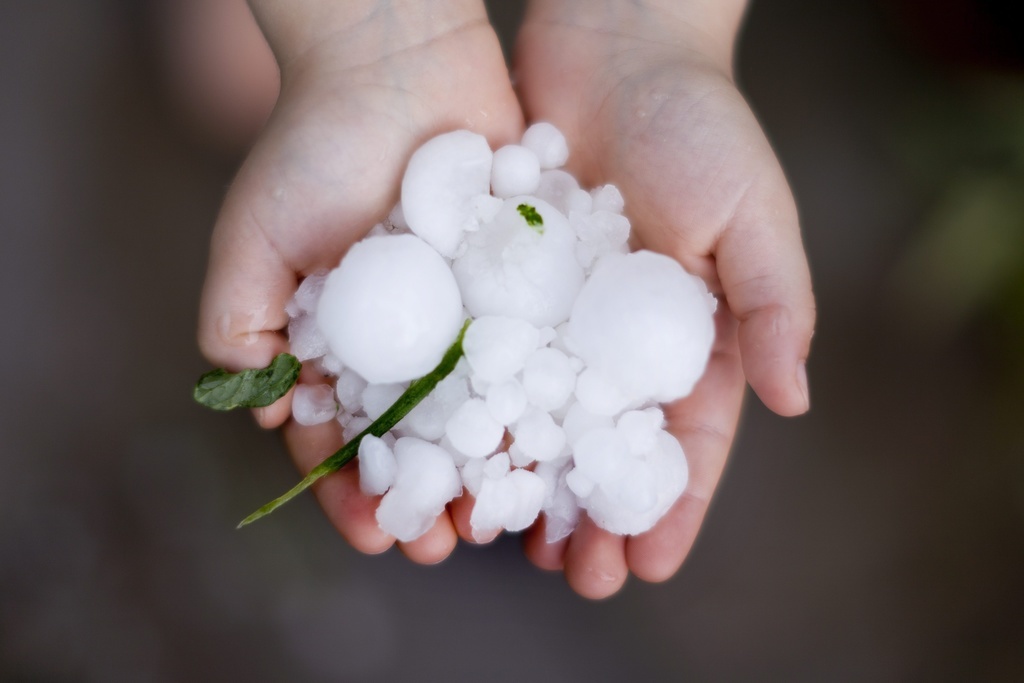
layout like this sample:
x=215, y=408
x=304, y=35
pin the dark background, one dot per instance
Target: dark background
x=880, y=537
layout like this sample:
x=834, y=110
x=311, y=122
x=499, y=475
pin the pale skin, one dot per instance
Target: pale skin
x=645, y=96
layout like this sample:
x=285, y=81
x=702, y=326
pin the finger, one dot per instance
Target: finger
x=767, y=283
x=276, y=414
x=242, y=308
x=595, y=562
x=353, y=513
x=435, y=545
x=461, y=510
x=544, y=555
x=705, y=424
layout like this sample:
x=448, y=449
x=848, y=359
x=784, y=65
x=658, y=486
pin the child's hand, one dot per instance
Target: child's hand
x=646, y=97
x=363, y=85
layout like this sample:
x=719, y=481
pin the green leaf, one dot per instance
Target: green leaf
x=533, y=219
x=254, y=388
x=416, y=392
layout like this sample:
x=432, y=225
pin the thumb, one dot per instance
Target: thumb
x=766, y=280
x=241, y=314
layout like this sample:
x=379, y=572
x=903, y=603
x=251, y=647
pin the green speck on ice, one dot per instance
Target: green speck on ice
x=533, y=219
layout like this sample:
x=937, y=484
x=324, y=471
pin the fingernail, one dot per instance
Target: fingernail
x=801, y=382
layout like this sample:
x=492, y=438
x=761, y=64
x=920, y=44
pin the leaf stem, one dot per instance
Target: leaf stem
x=409, y=399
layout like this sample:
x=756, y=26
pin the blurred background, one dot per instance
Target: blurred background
x=880, y=537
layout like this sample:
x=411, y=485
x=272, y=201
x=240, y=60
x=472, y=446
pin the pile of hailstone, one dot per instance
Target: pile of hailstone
x=574, y=343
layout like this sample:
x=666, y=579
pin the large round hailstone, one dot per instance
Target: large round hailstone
x=521, y=265
x=442, y=179
x=391, y=309
x=644, y=325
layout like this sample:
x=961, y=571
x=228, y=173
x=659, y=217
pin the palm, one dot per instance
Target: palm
x=696, y=171
x=326, y=169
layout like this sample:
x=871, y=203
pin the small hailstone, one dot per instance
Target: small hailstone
x=645, y=325
x=530, y=492
x=472, y=472
x=548, y=143
x=511, y=502
x=307, y=294
x=456, y=455
x=603, y=230
x=561, y=511
x=521, y=267
x=472, y=430
x=537, y=435
x=305, y=340
x=579, y=483
x=634, y=501
x=391, y=309
x=425, y=481
x=377, y=466
x=479, y=385
x=495, y=499
x=518, y=457
x=497, y=347
x=578, y=201
x=313, y=404
x=349, y=388
x=578, y=421
x=497, y=466
x=442, y=178
x=558, y=189
x=548, y=379
x=377, y=398
x=355, y=426
x=515, y=171
x=608, y=198
x=506, y=401
x=599, y=395
x=330, y=364
x=640, y=427
x=427, y=420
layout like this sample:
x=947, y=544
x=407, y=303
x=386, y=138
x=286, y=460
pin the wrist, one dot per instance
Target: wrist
x=357, y=31
x=705, y=29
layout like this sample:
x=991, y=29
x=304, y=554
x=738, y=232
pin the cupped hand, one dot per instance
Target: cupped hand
x=645, y=96
x=356, y=100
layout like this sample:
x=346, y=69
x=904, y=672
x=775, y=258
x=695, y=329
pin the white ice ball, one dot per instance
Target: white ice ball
x=472, y=430
x=548, y=379
x=305, y=340
x=521, y=265
x=391, y=309
x=632, y=499
x=425, y=481
x=313, y=404
x=377, y=466
x=537, y=436
x=440, y=182
x=506, y=401
x=497, y=347
x=515, y=171
x=645, y=325
x=548, y=143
